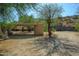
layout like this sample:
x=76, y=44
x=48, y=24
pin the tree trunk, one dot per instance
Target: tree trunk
x=5, y=33
x=49, y=30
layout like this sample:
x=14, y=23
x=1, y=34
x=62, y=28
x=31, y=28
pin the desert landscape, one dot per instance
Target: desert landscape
x=39, y=29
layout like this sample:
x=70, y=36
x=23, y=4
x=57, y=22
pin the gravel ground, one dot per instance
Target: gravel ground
x=25, y=46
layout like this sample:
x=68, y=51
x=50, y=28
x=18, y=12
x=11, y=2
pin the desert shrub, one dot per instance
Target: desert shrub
x=76, y=26
x=46, y=28
x=53, y=29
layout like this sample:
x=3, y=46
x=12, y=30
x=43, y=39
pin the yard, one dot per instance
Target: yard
x=24, y=45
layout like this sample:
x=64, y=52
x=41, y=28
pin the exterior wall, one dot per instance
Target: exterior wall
x=38, y=29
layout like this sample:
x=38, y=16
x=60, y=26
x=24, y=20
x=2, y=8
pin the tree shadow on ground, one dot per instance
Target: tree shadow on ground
x=55, y=46
x=3, y=52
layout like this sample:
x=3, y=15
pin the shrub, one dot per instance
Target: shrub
x=76, y=26
x=46, y=28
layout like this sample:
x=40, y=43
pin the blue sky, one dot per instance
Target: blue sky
x=69, y=8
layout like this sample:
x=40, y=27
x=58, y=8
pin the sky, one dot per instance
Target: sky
x=69, y=9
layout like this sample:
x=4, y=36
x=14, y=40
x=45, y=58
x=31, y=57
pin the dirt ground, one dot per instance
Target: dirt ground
x=24, y=45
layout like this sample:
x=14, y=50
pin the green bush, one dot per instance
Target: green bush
x=46, y=28
x=53, y=29
x=76, y=26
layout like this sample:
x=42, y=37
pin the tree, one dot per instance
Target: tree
x=26, y=19
x=49, y=12
x=8, y=12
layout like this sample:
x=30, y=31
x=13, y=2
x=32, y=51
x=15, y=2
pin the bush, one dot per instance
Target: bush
x=76, y=26
x=53, y=29
x=46, y=29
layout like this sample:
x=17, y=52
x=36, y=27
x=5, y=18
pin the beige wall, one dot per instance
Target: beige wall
x=38, y=29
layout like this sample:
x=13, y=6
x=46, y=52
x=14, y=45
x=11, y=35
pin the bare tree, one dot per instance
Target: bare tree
x=49, y=12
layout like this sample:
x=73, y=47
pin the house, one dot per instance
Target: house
x=29, y=27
